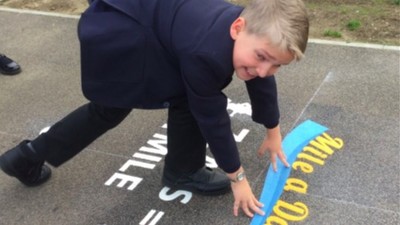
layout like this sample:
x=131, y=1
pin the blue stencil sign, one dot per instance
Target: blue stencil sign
x=274, y=183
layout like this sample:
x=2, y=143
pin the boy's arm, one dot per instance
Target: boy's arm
x=265, y=110
x=208, y=105
x=203, y=80
x=263, y=96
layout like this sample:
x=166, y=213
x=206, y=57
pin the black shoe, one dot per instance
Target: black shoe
x=8, y=66
x=16, y=164
x=204, y=182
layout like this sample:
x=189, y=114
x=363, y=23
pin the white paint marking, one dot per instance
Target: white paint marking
x=210, y=162
x=147, y=157
x=157, y=218
x=355, y=44
x=44, y=130
x=124, y=180
x=241, y=135
x=311, y=99
x=344, y=202
x=149, y=216
x=136, y=163
x=163, y=195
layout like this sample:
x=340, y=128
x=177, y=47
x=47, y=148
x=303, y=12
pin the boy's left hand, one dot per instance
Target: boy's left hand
x=273, y=143
x=245, y=199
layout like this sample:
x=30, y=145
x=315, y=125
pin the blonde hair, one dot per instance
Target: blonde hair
x=283, y=22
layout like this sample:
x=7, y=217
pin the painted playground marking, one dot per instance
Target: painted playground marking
x=308, y=143
x=305, y=144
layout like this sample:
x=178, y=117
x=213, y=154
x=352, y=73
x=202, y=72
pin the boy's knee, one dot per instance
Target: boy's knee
x=109, y=114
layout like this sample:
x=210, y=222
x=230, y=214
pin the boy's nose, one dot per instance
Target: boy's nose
x=263, y=70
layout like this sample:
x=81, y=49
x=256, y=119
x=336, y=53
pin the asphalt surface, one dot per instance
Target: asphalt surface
x=352, y=90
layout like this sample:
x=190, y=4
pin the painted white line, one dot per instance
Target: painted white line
x=157, y=218
x=311, y=99
x=147, y=217
x=147, y=157
x=354, y=44
x=373, y=208
x=150, y=215
x=136, y=163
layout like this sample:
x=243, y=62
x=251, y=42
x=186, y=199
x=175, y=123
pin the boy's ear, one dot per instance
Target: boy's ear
x=237, y=27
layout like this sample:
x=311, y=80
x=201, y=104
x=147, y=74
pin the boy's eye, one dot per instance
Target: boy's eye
x=260, y=57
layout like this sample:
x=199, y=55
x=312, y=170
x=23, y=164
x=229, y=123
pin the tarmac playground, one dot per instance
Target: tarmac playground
x=352, y=89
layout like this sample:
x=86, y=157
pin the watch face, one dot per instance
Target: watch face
x=240, y=176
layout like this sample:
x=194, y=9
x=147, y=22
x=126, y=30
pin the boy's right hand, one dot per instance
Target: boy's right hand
x=273, y=143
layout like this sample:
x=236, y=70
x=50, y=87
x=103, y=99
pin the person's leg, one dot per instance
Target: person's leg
x=64, y=140
x=185, y=162
x=77, y=130
x=186, y=145
x=8, y=66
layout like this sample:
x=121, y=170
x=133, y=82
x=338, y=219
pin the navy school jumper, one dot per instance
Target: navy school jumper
x=151, y=53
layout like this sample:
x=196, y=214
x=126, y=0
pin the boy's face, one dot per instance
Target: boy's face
x=253, y=56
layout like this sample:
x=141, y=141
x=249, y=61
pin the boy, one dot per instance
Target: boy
x=176, y=54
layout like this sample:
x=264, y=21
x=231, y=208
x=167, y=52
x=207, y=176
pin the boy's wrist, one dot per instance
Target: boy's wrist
x=237, y=176
x=273, y=131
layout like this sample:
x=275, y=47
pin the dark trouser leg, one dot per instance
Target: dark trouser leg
x=186, y=145
x=74, y=132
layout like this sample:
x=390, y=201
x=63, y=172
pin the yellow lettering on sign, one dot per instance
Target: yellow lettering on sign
x=297, y=185
x=293, y=212
x=275, y=220
x=305, y=167
x=310, y=158
x=315, y=152
x=324, y=142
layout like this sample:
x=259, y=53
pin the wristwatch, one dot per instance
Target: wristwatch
x=239, y=177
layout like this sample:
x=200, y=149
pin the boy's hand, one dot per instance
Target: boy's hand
x=273, y=143
x=245, y=199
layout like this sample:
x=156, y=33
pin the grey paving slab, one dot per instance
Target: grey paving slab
x=353, y=91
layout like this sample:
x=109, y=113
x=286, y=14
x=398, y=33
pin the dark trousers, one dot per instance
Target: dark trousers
x=186, y=145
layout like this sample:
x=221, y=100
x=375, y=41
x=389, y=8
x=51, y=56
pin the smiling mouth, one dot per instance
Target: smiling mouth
x=249, y=74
